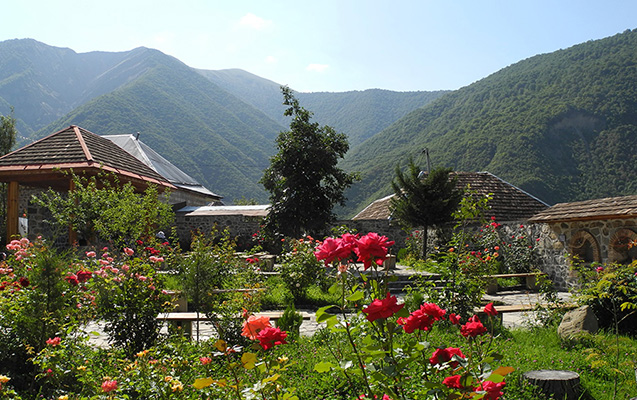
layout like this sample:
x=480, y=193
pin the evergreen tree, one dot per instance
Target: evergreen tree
x=424, y=200
x=303, y=178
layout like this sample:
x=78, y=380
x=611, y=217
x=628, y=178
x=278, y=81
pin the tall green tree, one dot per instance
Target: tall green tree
x=424, y=200
x=303, y=178
x=8, y=133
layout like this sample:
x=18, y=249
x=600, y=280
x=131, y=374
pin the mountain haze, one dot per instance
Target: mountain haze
x=562, y=126
x=218, y=126
x=210, y=134
x=358, y=114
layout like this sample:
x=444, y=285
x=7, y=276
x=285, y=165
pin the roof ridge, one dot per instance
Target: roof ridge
x=80, y=139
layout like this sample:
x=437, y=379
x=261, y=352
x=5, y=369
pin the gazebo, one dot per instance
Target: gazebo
x=47, y=162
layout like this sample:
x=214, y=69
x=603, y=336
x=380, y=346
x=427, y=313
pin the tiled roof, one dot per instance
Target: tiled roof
x=508, y=203
x=77, y=148
x=607, y=208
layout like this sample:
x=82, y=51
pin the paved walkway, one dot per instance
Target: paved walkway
x=309, y=327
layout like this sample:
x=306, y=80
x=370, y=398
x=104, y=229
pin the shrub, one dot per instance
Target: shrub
x=299, y=267
x=130, y=296
x=36, y=304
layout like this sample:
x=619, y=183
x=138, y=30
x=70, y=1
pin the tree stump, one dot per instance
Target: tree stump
x=562, y=384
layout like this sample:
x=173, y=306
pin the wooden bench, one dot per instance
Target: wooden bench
x=530, y=280
x=512, y=308
x=184, y=320
x=181, y=304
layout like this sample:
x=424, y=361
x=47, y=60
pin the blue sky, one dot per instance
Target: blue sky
x=328, y=45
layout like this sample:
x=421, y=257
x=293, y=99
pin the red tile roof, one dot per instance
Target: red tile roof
x=508, y=202
x=76, y=148
x=606, y=208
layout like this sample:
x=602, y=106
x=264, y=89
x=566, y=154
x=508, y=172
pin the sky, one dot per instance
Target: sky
x=327, y=45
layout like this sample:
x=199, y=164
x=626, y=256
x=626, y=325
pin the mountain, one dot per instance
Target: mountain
x=43, y=82
x=358, y=114
x=218, y=126
x=562, y=126
x=202, y=129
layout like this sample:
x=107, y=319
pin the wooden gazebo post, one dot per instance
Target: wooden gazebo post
x=13, y=193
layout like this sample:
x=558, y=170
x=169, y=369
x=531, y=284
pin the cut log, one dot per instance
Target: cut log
x=561, y=384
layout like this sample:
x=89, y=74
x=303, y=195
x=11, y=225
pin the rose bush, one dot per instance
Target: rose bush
x=387, y=345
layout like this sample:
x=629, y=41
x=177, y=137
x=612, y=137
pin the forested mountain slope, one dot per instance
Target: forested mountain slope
x=562, y=126
x=42, y=83
x=358, y=114
x=204, y=130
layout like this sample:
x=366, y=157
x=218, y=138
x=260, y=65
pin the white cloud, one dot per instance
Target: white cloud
x=253, y=22
x=317, y=67
x=271, y=60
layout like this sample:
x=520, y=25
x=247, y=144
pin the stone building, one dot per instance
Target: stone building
x=46, y=163
x=509, y=205
x=592, y=231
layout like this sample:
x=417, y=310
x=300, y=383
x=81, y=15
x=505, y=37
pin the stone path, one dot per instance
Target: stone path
x=309, y=327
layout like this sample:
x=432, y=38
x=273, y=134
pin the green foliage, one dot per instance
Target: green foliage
x=130, y=297
x=303, y=178
x=560, y=126
x=299, y=267
x=8, y=134
x=100, y=209
x=36, y=304
x=290, y=321
x=420, y=202
x=612, y=292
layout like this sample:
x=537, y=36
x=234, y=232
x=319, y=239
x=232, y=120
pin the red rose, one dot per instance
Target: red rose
x=441, y=356
x=494, y=390
x=269, y=337
x=335, y=248
x=72, y=279
x=452, y=382
x=83, y=276
x=384, y=308
x=24, y=282
x=490, y=310
x=433, y=311
x=472, y=328
x=454, y=319
x=416, y=320
x=372, y=247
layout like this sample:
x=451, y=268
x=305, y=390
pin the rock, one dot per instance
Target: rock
x=578, y=321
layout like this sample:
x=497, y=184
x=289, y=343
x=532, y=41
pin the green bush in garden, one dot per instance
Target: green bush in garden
x=130, y=295
x=299, y=267
x=36, y=303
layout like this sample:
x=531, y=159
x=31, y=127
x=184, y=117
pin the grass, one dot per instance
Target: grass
x=278, y=296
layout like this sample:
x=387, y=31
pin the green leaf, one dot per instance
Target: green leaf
x=323, y=367
x=356, y=296
x=322, y=314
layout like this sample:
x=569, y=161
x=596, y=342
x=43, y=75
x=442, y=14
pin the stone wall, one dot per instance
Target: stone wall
x=238, y=226
x=557, y=242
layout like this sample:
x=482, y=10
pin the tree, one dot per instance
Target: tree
x=99, y=208
x=7, y=141
x=424, y=201
x=303, y=178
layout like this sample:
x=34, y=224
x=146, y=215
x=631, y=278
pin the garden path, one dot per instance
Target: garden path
x=309, y=327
